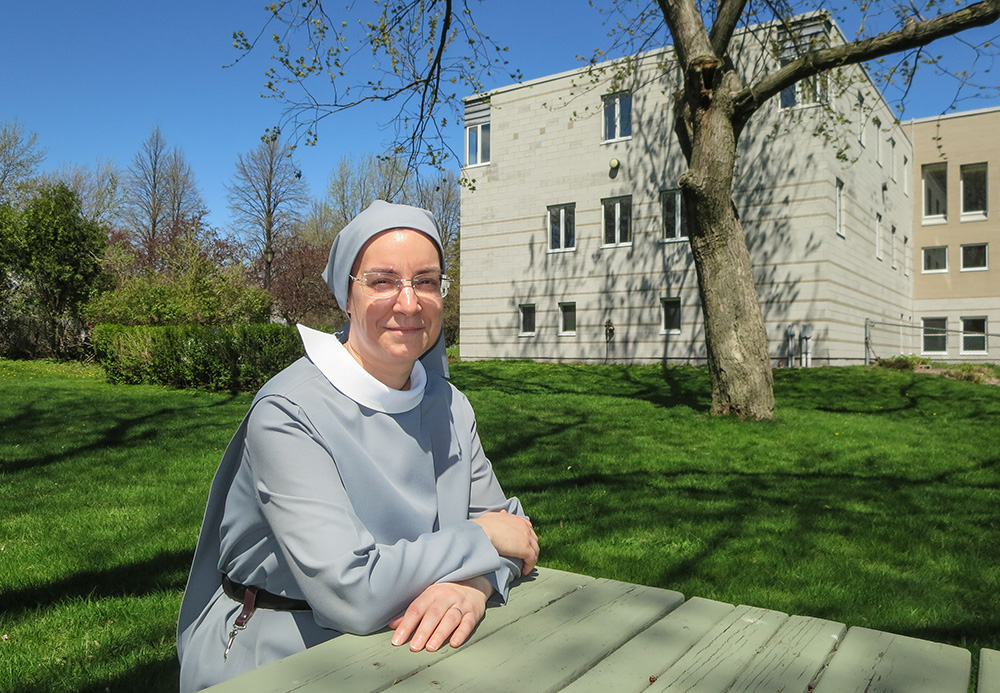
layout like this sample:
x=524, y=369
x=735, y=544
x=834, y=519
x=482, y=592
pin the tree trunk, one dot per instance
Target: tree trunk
x=735, y=337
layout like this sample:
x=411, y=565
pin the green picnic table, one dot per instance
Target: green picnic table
x=566, y=632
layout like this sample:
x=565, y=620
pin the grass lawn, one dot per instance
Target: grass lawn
x=871, y=499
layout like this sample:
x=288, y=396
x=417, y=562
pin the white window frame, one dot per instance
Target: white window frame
x=923, y=259
x=676, y=302
x=937, y=217
x=924, y=334
x=522, y=312
x=839, y=209
x=677, y=233
x=905, y=174
x=614, y=101
x=964, y=171
x=561, y=209
x=986, y=258
x=966, y=334
x=805, y=93
x=892, y=247
x=478, y=128
x=567, y=308
x=617, y=202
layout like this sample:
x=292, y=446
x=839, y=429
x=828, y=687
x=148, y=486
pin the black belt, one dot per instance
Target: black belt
x=264, y=599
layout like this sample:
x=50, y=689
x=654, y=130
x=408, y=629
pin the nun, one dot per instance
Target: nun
x=355, y=495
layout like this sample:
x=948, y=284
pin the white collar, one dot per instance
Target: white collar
x=351, y=379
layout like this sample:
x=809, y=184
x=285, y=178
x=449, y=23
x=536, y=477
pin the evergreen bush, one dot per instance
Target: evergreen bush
x=237, y=358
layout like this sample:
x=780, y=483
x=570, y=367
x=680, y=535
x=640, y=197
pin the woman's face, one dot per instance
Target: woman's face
x=388, y=334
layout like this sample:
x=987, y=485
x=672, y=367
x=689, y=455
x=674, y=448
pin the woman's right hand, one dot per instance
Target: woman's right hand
x=512, y=536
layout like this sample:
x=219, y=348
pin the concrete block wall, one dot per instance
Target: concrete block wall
x=546, y=149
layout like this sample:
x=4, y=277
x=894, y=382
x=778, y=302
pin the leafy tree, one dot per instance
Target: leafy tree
x=266, y=196
x=53, y=257
x=356, y=183
x=100, y=190
x=425, y=52
x=202, y=279
x=19, y=161
x=300, y=294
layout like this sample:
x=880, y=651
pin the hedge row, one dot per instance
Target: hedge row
x=237, y=358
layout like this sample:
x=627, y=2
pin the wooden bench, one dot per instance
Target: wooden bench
x=567, y=632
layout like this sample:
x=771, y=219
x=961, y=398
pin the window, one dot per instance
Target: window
x=806, y=92
x=617, y=116
x=935, y=335
x=892, y=158
x=974, y=257
x=973, y=191
x=935, y=177
x=892, y=247
x=877, y=134
x=906, y=175
x=936, y=259
x=840, y=209
x=567, y=318
x=617, y=220
x=671, y=315
x=477, y=144
x=862, y=119
x=562, y=227
x=674, y=219
x=527, y=312
x=878, y=236
x=906, y=256
x=974, y=335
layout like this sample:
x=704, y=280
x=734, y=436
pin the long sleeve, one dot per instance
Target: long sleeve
x=353, y=581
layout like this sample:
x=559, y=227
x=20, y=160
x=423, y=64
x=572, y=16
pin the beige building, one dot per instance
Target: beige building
x=956, y=291
x=575, y=224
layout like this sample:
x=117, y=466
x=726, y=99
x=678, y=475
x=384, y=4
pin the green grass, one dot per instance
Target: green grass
x=871, y=499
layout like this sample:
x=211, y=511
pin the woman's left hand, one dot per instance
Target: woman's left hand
x=446, y=611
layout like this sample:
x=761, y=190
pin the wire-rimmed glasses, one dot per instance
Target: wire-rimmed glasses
x=389, y=284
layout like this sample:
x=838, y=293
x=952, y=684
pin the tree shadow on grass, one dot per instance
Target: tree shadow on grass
x=157, y=676
x=163, y=572
x=36, y=426
x=663, y=386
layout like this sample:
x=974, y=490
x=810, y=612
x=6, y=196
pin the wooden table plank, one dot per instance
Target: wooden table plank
x=650, y=653
x=870, y=661
x=989, y=671
x=553, y=646
x=793, y=658
x=715, y=662
x=371, y=663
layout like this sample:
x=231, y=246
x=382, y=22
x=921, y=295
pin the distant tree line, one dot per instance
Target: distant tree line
x=88, y=246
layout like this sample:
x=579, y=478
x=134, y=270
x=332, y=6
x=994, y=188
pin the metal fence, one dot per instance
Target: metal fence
x=887, y=339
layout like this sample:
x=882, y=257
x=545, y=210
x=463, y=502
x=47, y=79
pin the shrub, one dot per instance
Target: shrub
x=218, y=299
x=902, y=363
x=239, y=358
x=971, y=372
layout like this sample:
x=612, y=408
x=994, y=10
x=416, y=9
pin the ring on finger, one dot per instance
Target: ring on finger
x=455, y=606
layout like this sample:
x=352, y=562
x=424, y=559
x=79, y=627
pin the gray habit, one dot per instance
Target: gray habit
x=354, y=509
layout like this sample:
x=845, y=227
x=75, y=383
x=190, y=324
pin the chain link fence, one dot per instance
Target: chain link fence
x=930, y=340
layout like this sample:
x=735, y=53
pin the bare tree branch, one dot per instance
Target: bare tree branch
x=730, y=12
x=913, y=35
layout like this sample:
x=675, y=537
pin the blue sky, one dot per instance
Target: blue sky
x=93, y=79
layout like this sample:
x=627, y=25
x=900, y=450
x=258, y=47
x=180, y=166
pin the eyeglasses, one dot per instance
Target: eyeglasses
x=388, y=284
